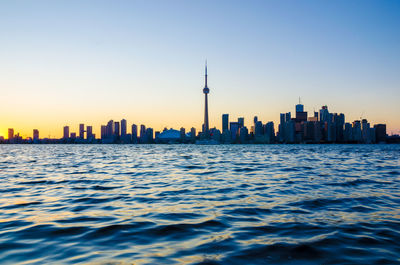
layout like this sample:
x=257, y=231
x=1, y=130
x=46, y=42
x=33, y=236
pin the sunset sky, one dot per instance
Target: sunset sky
x=70, y=62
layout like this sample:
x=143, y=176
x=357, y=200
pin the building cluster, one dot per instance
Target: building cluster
x=321, y=127
x=325, y=127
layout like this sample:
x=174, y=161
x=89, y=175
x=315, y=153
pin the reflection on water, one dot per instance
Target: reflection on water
x=186, y=204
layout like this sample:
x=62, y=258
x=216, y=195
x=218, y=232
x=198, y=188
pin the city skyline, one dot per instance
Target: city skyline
x=94, y=61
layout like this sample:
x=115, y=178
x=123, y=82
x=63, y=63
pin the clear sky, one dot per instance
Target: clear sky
x=70, y=62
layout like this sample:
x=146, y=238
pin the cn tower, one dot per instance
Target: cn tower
x=206, y=90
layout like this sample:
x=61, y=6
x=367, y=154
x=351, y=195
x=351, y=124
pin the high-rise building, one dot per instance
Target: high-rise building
x=234, y=128
x=142, y=133
x=357, y=134
x=103, y=131
x=241, y=122
x=116, y=130
x=89, y=133
x=73, y=135
x=258, y=128
x=206, y=90
x=81, y=131
x=134, y=133
x=10, y=133
x=66, y=132
x=225, y=122
x=324, y=114
x=110, y=129
x=35, y=134
x=193, y=133
x=149, y=135
x=380, y=133
x=123, y=128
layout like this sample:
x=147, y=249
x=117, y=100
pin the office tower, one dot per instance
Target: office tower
x=301, y=115
x=35, y=134
x=255, y=119
x=134, y=133
x=316, y=114
x=110, y=129
x=81, y=131
x=348, y=133
x=269, y=132
x=73, y=135
x=89, y=133
x=241, y=122
x=149, y=135
x=299, y=107
x=243, y=134
x=193, y=133
x=225, y=122
x=66, y=132
x=123, y=128
x=357, y=134
x=103, y=131
x=116, y=130
x=365, y=128
x=258, y=128
x=290, y=131
x=142, y=133
x=234, y=128
x=380, y=133
x=281, y=128
x=206, y=90
x=323, y=114
x=183, y=133
x=288, y=117
x=10, y=133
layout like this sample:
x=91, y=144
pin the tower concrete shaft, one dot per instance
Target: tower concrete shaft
x=206, y=90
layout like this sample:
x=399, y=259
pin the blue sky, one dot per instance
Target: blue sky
x=66, y=62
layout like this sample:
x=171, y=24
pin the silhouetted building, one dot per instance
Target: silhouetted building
x=134, y=134
x=10, y=133
x=225, y=122
x=234, y=128
x=241, y=122
x=35, y=134
x=116, y=131
x=89, y=133
x=123, y=128
x=103, y=131
x=66, y=132
x=73, y=135
x=149, y=136
x=81, y=131
x=380, y=133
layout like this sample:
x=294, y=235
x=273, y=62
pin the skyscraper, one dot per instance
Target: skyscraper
x=89, y=132
x=134, y=133
x=123, y=128
x=10, y=134
x=225, y=122
x=206, y=90
x=66, y=132
x=241, y=122
x=81, y=131
x=116, y=130
x=35, y=134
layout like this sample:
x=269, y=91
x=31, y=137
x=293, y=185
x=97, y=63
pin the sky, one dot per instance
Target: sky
x=70, y=62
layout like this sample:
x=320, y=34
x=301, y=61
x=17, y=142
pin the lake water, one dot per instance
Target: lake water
x=188, y=204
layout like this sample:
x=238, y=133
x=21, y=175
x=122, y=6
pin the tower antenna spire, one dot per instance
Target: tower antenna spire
x=206, y=74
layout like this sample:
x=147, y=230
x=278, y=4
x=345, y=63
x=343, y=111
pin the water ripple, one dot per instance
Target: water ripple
x=187, y=204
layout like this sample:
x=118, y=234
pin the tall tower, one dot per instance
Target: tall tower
x=206, y=90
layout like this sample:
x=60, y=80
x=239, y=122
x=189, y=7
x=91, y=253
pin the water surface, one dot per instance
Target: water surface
x=187, y=204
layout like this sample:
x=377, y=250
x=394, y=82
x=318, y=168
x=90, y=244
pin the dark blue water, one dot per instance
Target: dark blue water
x=186, y=204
